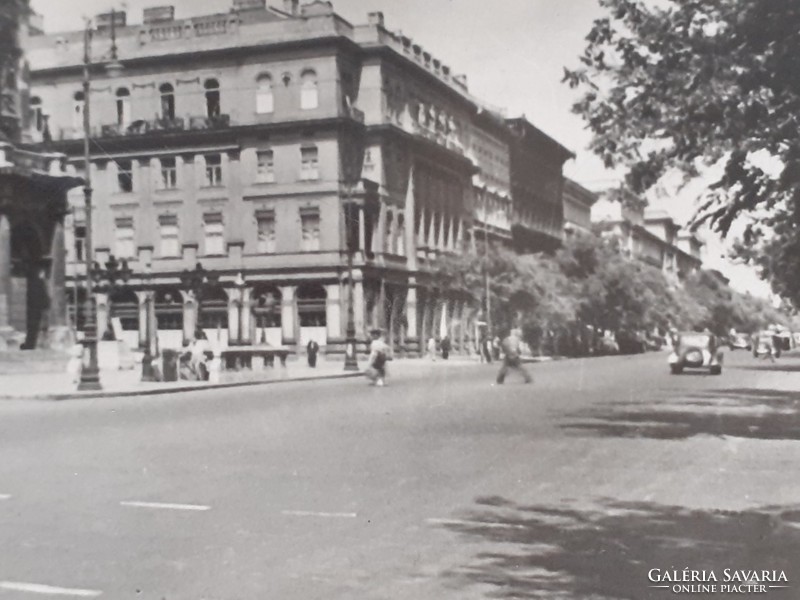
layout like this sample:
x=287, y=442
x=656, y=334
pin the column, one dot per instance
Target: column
x=359, y=306
x=411, y=238
x=234, y=307
x=288, y=312
x=143, y=298
x=379, y=239
x=5, y=271
x=411, y=335
x=247, y=316
x=189, y=314
x=362, y=240
x=103, y=313
x=333, y=311
x=58, y=275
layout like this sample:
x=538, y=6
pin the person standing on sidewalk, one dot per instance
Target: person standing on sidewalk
x=512, y=357
x=445, y=346
x=432, y=349
x=312, y=348
x=378, y=356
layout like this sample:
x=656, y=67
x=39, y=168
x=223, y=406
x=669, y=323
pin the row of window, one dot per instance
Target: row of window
x=213, y=173
x=169, y=245
x=264, y=100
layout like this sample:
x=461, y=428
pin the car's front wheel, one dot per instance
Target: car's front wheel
x=675, y=369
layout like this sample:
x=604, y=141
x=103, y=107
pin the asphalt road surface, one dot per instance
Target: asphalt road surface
x=441, y=485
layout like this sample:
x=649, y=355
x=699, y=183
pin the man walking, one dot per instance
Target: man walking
x=512, y=357
x=378, y=355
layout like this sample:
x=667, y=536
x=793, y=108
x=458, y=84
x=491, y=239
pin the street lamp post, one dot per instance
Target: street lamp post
x=350, y=358
x=90, y=372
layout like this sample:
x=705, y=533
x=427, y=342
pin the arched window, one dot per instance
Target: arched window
x=37, y=115
x=212, y=98
x=167, y=100
x=123, y=107
x=309, y=94
x=264, y=99
x=77, y=111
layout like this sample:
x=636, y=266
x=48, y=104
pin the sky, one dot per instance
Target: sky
x=513, y=52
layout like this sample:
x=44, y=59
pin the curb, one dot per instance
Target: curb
x=171, y=390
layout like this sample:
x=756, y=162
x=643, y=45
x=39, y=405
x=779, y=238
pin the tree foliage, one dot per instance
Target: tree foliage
x=685, y=84
x=589, y=284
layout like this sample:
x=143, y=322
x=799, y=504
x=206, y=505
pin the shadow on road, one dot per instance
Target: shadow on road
x=779, y=367
x=605, y=552
x=737, y=412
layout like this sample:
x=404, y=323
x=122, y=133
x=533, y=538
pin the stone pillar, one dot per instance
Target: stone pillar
x=234, y=311
x=189, y=314
x=142, y=297
x=288, y=315
x=410, y=235
x=362, y=237
x=359, y=307
x=58, y=276
x=103, y=314
x=147, y=318
x=5, y=271
x=411, y=336
x=379, y=239
x=333, y=311
x=247, y=316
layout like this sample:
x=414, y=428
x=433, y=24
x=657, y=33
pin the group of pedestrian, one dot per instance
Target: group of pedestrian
x=510, y=349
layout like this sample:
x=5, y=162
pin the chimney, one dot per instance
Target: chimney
x=158, y=14
x=375, y=18
x=291, y=6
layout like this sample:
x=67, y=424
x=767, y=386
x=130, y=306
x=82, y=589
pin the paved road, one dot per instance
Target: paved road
x=441, y=485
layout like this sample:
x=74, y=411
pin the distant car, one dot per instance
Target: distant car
x=694, y=350
x=764, y=344
x=740, y=341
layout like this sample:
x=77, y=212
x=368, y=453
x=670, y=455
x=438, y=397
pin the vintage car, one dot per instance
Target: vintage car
x=696, y=351
x=739, y=341
x=765, y=344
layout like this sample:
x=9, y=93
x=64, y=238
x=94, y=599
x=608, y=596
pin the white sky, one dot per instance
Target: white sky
x=513, y=51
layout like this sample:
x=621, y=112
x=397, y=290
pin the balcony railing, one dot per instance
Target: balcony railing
x=151, y=126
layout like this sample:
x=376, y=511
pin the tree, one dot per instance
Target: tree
x=687, y=84
x=527, y=291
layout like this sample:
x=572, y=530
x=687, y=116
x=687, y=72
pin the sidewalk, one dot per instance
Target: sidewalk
x=59, y=386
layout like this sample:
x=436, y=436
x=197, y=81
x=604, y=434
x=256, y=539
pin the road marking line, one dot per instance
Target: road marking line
x=166, y=505
x=35, y=588
x=5, y=496
x=474, y=523
x=308, y=513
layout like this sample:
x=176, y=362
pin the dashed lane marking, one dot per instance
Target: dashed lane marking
x=37, y=588
x=5, y=496
x=166, y=505
x=309, y=513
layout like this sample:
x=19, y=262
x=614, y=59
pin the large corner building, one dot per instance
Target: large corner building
x=264, y=144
